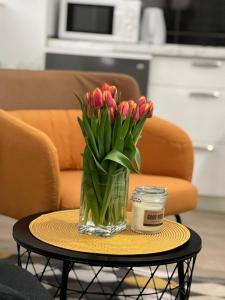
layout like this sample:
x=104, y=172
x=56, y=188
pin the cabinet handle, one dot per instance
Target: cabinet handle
x=207, y=63
x=206, y=94
x=204, y=147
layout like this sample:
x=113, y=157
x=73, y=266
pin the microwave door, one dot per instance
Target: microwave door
x=90, y=18
x=88, y=21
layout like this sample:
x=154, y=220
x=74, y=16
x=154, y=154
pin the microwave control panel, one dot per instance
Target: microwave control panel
x=127, y=21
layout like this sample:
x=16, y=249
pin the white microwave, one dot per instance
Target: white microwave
x=100, y=20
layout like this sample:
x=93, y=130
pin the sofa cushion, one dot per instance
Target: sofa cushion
x=182, y=195
x=63, y=129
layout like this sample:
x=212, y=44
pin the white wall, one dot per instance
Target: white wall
x=22, y=33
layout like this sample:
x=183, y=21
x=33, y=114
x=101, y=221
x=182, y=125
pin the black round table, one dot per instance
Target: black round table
x=178, y=265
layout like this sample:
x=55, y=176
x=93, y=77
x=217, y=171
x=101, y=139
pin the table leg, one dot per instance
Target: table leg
x=65, y=274
x=182, y=293
x=18, y=256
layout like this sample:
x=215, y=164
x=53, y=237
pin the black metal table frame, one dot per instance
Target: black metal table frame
x=182, y=259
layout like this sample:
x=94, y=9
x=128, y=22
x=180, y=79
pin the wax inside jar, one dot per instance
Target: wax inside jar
x=147, y=217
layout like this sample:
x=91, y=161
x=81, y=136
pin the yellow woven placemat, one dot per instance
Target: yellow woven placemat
x=60, y=229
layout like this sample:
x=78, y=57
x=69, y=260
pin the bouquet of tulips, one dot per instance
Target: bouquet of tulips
x=111, y=128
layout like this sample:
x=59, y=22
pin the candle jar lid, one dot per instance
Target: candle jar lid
x=149, y=194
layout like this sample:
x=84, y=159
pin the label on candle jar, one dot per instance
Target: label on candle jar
x=153, y=217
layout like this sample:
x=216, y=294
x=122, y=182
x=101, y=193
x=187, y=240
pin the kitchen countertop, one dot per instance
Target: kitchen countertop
x=173, y=50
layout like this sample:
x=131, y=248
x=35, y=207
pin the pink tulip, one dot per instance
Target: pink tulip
x=112, y=113
x=112, y=89
x=137, y=115
x=87, y=98
x=142, y=100
x=132, y=107
x=123, y=109
x=105, y=87
x=107, y=97
x=97, y=99
x=150, y=109
x=114, y=92
x=143, y=109
x=146, y=109
x=87, y=101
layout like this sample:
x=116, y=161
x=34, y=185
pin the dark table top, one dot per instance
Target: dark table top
x=24, y=238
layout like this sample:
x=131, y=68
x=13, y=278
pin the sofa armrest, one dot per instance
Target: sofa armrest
x=165, y=150
x=29, y=170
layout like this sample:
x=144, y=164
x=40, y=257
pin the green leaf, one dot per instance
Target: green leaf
x=95, y=179
x=121, y=159
x=88, y=189
x=90, y=148
x=81, y=101
x=94, y=123
x=137, y=130
x=92, y=203
x=101, y=142
x=131, y=151
x=129, y=148
x=98, y=165
x=90, y=136
x=125, y=127
x=118, y=139
x=108, y=134
x=137, y=158
x=117, y=125
x=81, y=126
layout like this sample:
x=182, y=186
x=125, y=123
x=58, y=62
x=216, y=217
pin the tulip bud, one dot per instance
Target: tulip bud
x=107, y=97
x=105, y=87
x=143, y=109
x=114, y=92
x=123, y=109
x=146, y=109
x=87, y=98
x=97, y=100
x=132, y=107
x=150, y=109
x=137, y=115
x=142, y=100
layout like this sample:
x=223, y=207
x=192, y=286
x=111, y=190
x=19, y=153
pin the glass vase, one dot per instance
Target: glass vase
x=103, y=206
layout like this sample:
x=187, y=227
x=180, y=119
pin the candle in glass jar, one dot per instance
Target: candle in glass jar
x=148, y=209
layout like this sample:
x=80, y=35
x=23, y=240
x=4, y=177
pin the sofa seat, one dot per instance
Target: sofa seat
x=182, y=194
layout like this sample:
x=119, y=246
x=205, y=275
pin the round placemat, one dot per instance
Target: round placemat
x=60, y=229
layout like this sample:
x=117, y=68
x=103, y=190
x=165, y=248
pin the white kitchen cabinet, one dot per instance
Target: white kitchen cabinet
x=202, y=116
x=190, y=92
x=22, y=33
x=209, y=171
x=188, y=72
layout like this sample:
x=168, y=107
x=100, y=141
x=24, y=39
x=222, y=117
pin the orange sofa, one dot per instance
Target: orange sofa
x=40, y=149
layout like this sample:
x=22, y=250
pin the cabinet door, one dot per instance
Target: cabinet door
x=200, y=112
x=188, y=72
x=209, y=171
x=22, y=33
